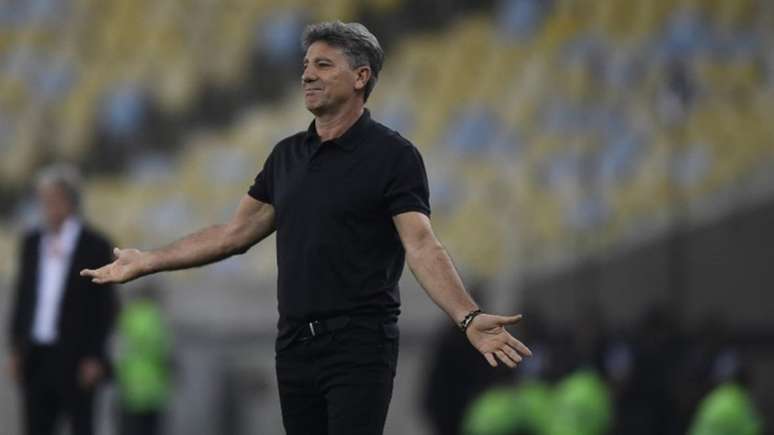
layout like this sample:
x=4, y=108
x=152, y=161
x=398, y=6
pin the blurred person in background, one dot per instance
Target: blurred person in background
x=349, y=200
x=708, y=358
x=143, y=365
x=726, y=405
x=641, y=382
x=581, y=405
x=60, y=322
x=728, y=409
x=522, y=409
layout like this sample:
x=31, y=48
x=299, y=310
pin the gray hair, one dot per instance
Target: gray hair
x=64, y=176
x=359, y=45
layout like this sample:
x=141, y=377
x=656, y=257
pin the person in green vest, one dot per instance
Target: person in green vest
x=143, y=368
x=581, y=405
x=524, y=409
x=727, y=410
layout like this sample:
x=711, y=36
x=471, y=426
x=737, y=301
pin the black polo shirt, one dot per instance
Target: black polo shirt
x=338, y=251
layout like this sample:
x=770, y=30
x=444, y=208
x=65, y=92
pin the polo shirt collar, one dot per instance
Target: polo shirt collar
x=347, y=141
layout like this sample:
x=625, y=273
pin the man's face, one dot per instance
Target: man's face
x=328, y=80
x=55, y=205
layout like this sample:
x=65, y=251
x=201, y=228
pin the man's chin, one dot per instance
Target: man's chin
x=315, y=108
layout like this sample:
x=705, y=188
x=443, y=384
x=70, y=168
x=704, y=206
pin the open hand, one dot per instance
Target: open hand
x=487, y=334
x=129, y=264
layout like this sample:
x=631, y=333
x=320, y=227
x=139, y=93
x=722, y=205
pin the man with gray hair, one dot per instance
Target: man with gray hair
x=349, y=200
x=60, y=322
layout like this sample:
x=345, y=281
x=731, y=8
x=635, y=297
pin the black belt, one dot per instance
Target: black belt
x=319, y=327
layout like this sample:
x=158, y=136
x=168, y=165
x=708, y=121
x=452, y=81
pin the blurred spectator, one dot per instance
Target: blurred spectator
x=694, y=377
x=588, y=342
x=522, y=410
x=143, y=366
x=581, y=406
x=619, y=366
x=727, y=410
x=60, y=322
x=650, y=405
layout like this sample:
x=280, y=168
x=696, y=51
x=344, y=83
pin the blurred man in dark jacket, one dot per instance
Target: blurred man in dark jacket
x=60, y=322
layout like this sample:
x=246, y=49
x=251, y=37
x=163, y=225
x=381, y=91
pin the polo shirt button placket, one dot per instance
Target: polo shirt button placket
x=314, y=165
x=314, y=160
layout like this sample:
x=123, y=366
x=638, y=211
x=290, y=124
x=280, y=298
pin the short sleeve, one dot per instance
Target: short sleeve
x=407, y=187
x=262, y=188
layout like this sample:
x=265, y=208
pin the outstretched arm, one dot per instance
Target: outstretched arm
x=252, y=222
x=435, y=271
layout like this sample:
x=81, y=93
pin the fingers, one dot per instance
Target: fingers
x=116, y=252
x=505, y=358
x=519, y=346
x=512, y=354
x=490, y=359
x=98, y=276
x=102, y=278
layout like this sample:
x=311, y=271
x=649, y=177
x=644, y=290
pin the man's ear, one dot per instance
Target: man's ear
x=362, y=76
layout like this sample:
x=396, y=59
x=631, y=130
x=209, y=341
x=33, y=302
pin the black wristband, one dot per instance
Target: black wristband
x=468, y=319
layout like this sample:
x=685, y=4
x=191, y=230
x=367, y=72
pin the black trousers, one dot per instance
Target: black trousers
x=339, y=383
x=50, y=395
